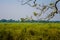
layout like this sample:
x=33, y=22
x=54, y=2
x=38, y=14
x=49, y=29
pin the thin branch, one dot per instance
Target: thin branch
x=56, y=6
x=26, y=2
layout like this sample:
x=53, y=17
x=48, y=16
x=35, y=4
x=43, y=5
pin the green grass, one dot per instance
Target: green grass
x=29, y=31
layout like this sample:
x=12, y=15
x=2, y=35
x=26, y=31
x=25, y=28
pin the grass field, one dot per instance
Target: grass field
x=29, y=31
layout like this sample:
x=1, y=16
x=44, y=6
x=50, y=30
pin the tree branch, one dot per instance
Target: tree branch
x=56, y=6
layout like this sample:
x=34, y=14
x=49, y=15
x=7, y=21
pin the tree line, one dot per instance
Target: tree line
x=30, y=21
x=9, y=20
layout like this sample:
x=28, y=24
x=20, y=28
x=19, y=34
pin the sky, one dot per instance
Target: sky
x=12, y=9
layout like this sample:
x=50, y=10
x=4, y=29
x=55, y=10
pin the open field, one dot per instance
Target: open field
x=29, y=31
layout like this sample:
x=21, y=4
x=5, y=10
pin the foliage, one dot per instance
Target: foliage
x=3, y=20
x=29, y=31
x=10, y=20
x=22, y=19
x=35, y=14
x=27, y=20
x=43, y=8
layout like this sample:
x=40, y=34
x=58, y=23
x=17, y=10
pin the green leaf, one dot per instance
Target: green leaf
x=35, y=14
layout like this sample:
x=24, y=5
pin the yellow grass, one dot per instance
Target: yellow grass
x=29, y=31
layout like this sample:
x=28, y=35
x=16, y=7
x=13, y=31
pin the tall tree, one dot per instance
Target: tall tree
x=43, y=8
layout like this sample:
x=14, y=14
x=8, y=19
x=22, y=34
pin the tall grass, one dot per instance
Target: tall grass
x=29, y=31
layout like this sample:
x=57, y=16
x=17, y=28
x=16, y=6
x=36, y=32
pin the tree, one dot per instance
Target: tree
x=22, y=19
x=3, y=20
x=43, y=8
x=27, y=19
x=11, y=20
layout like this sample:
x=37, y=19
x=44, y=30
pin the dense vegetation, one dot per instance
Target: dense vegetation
x=30, y=21
x=10, y=20
x=29, y=31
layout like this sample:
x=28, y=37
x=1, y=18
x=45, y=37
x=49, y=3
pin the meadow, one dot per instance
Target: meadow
x=29, y=31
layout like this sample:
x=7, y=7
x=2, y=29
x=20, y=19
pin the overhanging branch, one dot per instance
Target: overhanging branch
x=56, y=6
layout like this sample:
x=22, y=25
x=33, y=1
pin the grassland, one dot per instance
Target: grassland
x=29, y=31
